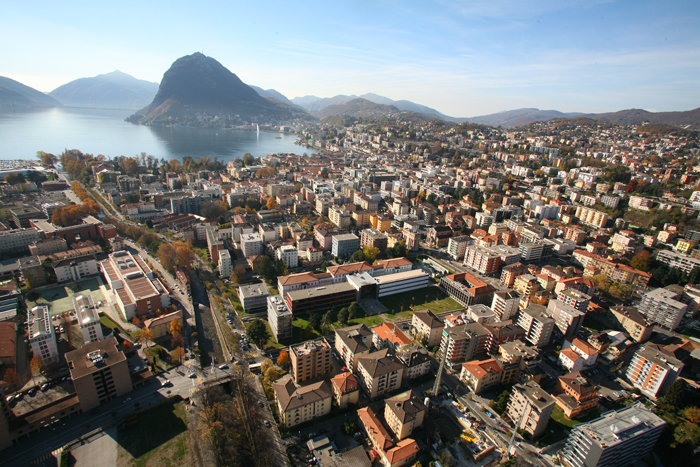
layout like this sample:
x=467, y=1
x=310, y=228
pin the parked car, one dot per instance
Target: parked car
x=128, y=399
x=44, y=387
x=223, y=367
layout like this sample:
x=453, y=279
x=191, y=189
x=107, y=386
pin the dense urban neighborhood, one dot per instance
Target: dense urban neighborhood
x=406, y=292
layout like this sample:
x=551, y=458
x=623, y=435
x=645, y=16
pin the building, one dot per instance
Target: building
x=583, y=349
x=310, y=360
x=537, y=324
x=184, y=278
x=530, y=408
x=456, y=246
x=375, y=238
x=280, y=318
x=99, y=372
x=404, y=413
x=672, y=259
x=47, y=246
x=42, y=335
x=224, y=263
x=467, y=289
x=289, y=255
x=591, y=217
x=379, y=372
x=653, y=371
x=416, y=361
x=388, y=335
x=161, y=325
x=321, y=298
x=342, y=246
x=136, y=290
x=251, y=244
x=663, y=306
x=632, y=321
x=505, y=304
x=575, y=298
x=74, y=269
x=392, y=454
x=575, y=394
x=253, y=297
x=22, y=215
x=32, y=271
x=346, y=389
x=615, y=439
x=352, y=342
x=300, y=405
x=19, y=239
x=425, y=323
x=88, y=318
x=462, y=343
x=480, y=375
x=568, y=319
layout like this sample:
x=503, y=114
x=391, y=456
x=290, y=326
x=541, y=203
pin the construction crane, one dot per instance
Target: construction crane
x=438, y=377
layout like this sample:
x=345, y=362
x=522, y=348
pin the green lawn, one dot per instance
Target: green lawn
x=559, y=417
x=430, y=297
x=160, y=437
x=110, y=323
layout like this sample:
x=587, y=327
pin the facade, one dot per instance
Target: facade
x=344, y=245
x=310, y=360
x=537, y=325
x=300, y=405
x=352, y=342
x=568, y=319
x=32, y=271
x=424, y=322
x=251, y=244
x=462, y=343
x=404, y=413
x=375, y=238
x=99, y=372
x=321, y=298
x=467, y=289
x=74, y=269
x=505, y=304
x=530, y=408
x=632, y=321
x=253, y=297
x=576, y=394
x=663, y=306
x=280, y=318
x=88, y=318
x=19, y=239
x=289, y=255
x=161, y=325
x=42, y=335
x=225, y=264
x=616, y=439
x=575, y=298
x=416, y=361
x=379, y=372
x=672, y=259
x=136, y=290
x=652, y=371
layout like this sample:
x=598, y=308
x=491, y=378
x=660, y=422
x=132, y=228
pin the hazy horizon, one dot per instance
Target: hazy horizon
x=463, y=60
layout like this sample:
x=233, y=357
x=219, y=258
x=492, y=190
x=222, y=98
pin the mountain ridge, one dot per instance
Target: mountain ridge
x=114, y=90
x=17, y=96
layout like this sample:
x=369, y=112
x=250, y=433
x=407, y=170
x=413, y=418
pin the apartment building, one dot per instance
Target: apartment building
x=346, y=389
x=480, y=375
x=42, y=335
x=632, y=321
x=88, y=318
x=672, y=259
x=530, y=408
x=462, y=343
x=391, y=454
x=161, y=325
x=425, y=323
x=501, y=333
x=615, y=439
x=653, y=371
x=99, y=372
x=526, y=285
x=505, y=304
x=568, y=319
x=352, y=342
x=225, y=264
x=280, y=318
x=591, y=217
x=482, y=259
x=663, y=306
x=456, y=246
x=537, y=324
x=289, y=255
x=298, y=405
x=253, y=297
x=379, y=372
x=375, y=238
x=251, y=244
x=74, y=269
x=575, y=298
x=404, y=413
x=575, y=394
x=309, y=360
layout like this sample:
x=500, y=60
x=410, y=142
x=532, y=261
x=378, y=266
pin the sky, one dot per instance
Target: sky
x=463, y=58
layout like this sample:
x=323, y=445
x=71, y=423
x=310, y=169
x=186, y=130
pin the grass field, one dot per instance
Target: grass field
x=559, y=417
x=430, y=297
x=60, y=298
x=159, y=438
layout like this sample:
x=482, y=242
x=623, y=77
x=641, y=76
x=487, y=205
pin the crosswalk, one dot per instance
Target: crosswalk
x=50, y=456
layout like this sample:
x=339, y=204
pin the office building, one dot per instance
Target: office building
x=253, y=297
x=467, y=289
x=99, y=372
x=343, y=246
x=530, y=408
x=615, y=439
x=280, y=318
x=42, y=336
x=310, y=360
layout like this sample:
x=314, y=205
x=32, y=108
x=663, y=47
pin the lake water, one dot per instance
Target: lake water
x=104, y=131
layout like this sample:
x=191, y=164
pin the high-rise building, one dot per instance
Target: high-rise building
x=88, y=318
x=280, y=318
x=251, y=244
x=505, y=304
x=42, y=336
x=530, y=407
x=537, y=325
x=663, y=306
x=653, y=371
x=616, y=439
x=310, y=360
x=225, y=264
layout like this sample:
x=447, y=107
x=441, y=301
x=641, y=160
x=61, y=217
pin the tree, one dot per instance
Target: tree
x=35, y=366
x=357, y=257
x=499, y=405
x=238, y=275
x=370, y=252
x=213, y=209
x=167, y=256
x=641, y=261
x=136, y=321
x=692, y=414
x=350, y=427
x=11, y=377
x=271, y=202
x=354, y=310
x=271, y=375
x=46, y=158
x=127, y=345
x=248, y=159
x=33, y=295
x=185, y=256
x=315, y=321
x=14, y=179
x=258, y=333
x=265, y=172
x=266, y=268
x=676, y=395
x=283, y=359
x=175, y=328
x=266, y=365
x=145, y=336
x=343, y=316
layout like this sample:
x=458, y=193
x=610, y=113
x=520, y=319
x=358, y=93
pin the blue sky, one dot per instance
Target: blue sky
x=463, y=58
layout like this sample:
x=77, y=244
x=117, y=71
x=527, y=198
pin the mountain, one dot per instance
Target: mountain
x=689, y=119
x=197, y=84
x=272, y=94
x=115, y=90
x=520, y=117
x=317, y=104
x=16, y=96
x=344, y=114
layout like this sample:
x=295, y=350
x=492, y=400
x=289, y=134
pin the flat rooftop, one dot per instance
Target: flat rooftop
x=617, y=426
x=320, y=291
x=255, y=290
x=102, y=354
x=401, y=276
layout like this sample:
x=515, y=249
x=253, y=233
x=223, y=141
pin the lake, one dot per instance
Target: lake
x=104, y=131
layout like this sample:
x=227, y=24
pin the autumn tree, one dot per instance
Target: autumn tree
x=175, y=328
x=283, y=359
x=238, y=275
x=127, y=345
x=11, y=377
x=271, y=203
x=370, y=252
x=46, y=158
x=177, y=355
x=213, y=209
x=185, y=256
x=136, y=321
x=641, y=261
x=266, y=365
x=145, y=336
x=265, y=172
x=35, y=366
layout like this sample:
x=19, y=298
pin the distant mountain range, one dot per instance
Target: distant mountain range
x=197, y=84
x=520, y=117
x=16, y=96
x=115, y=90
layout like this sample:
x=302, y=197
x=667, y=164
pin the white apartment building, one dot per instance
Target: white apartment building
x=18, y=239
x=456, y=246
x=289, y=255
x=505, y=304
x=88, y=318
x=537, y=325
x=251, y=244
x=280, y=318
x=530, y=407
x=42, y=336
x=74, y=269
x=225, y=263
